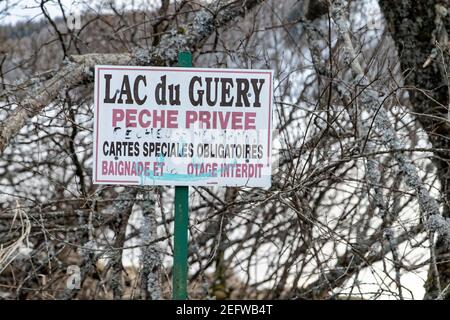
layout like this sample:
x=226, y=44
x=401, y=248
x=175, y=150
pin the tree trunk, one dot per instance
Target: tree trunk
x=417, y=35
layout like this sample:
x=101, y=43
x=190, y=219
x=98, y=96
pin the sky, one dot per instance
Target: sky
x=25, y=10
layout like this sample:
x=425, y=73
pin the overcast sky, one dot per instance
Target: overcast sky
x=25, y=10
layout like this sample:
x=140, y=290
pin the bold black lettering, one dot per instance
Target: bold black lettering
x=138, y=100
x=226, y=92
x=210, y=101
x=105, y=148
x=108, y=99
x=125, y=90
x=174, y=95
x=242, y=92
x=198, y=101
x=160, y=92
x=257, y=90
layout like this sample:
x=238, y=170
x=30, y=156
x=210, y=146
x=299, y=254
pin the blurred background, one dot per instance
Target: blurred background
x=358, y=207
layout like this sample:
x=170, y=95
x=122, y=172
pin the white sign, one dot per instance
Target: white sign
x=182, y=126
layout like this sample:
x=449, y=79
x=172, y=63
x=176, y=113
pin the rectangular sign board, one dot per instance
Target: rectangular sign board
x=182, y=126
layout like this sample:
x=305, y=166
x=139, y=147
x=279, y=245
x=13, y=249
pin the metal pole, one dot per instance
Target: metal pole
x=181, y=223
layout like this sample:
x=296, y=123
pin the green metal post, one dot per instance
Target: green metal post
x=181, y=223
